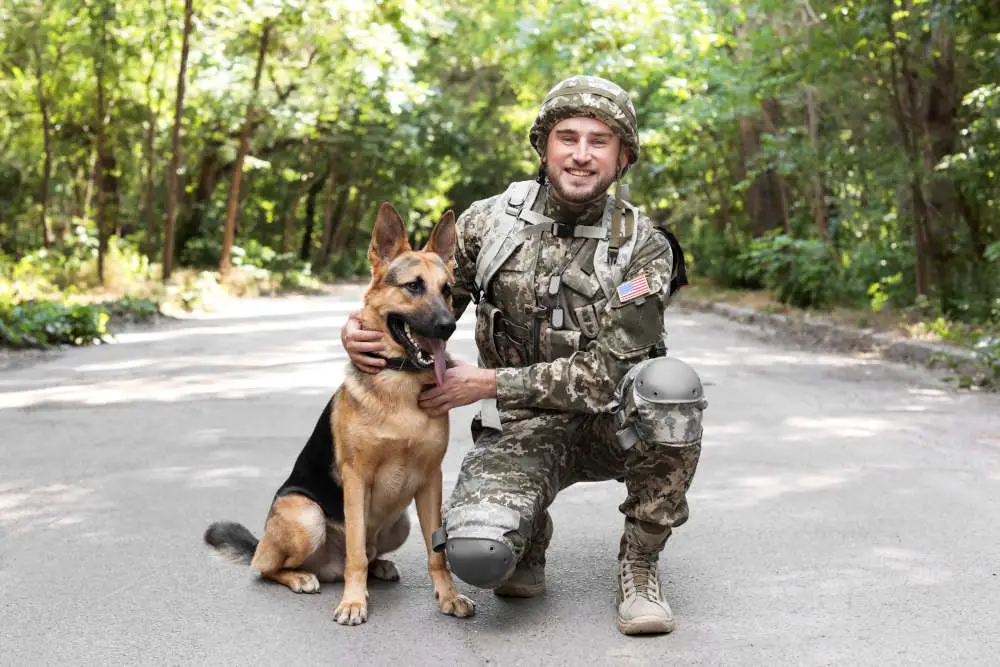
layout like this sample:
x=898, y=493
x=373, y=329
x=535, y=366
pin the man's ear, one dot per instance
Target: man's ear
x=442, y=239
x=388, y=237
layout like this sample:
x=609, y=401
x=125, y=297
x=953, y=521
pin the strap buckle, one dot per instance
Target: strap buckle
x=562, y=230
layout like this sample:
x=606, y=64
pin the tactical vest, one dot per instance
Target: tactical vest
x=505, y=341
x=516, y=220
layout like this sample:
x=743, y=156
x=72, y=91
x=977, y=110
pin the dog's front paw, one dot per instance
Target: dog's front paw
x=457, y=605
x=351, y=612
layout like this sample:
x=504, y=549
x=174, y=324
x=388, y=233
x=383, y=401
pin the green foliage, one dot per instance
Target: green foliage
x=802, y=273
x=45, y=324
x=755, y=116
x=131, y=309
x=725, y=262
x=987, y=350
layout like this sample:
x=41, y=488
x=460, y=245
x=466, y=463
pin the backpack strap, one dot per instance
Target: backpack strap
x=610, y=271
x=503, y=239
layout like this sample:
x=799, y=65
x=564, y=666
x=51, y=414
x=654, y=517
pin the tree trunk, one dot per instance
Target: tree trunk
x=331, y=183
x=43, y=106
x=175, y=148
x=103, y=160
x=306, y=246
x=232, y=205
x=355, y=215
x=149, y=190
x=943, y=207
x=903, y=95
x=300, y=192
x=817, y=197
x=340, y=229
x=771, y=111
x=189, y=226
x=761, y=199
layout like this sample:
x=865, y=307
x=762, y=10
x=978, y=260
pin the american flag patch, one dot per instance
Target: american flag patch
x=634, y=288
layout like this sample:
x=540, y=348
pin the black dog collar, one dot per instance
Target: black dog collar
x=400, y=364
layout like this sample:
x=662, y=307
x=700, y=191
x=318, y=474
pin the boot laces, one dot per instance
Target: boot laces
x=639, y=575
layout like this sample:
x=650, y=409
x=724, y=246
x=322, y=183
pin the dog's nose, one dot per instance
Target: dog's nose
x=444, y=327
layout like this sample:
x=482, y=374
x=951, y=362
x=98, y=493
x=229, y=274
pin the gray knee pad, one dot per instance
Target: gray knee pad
x=660, y=401
x=477, y=542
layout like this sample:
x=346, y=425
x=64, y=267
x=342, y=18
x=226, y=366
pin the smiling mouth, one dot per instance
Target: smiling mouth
x=579, y=173
x=420, y=350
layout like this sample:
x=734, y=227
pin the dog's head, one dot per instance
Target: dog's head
x=410, y=294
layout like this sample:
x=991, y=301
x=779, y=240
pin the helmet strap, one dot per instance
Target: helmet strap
x=541, y=174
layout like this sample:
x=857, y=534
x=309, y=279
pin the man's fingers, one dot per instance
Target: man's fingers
x=366, y=362
x=363, y=335
x=434, y=402
x=368, y=347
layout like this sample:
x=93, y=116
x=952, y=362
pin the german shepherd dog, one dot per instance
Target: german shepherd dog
x=373, y=450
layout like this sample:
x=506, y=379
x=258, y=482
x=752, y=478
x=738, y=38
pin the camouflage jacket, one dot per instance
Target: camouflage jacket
x=574, y=366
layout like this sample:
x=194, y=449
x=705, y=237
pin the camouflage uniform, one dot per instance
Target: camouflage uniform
x=555, y=398
x=559, y=383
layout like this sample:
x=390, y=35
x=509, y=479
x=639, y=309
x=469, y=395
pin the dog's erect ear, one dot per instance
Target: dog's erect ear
x=388, y=237
x=442, y=240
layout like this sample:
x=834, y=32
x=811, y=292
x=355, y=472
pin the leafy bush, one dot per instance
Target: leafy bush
x=724, y=261
x=202, y=252
x=47, y=323
x=803, y=273
x=132, y=309
x=987, y=350
x=70, y=268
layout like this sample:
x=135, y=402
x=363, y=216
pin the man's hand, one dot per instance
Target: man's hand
x=361, y=343
x=463, y=384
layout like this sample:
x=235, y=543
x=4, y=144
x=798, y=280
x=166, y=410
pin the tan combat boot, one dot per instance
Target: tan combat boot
x=528, y=579
x=641, y=607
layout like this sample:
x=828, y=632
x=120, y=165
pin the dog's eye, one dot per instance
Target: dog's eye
x=415, y=287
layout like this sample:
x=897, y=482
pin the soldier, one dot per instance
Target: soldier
x=570, y=285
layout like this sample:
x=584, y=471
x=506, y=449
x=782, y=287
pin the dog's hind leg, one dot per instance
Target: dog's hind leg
x=295, y=529
x=389, y=539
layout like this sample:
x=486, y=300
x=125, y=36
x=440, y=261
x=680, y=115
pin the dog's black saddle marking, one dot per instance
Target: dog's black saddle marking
x=312, y=474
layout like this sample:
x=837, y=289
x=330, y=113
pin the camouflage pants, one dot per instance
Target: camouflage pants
x=526, y=464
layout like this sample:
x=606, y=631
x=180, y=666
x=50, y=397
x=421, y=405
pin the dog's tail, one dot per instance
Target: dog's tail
x=232, y=541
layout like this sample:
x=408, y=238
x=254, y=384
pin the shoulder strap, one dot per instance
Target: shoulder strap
x=502, y=239
x=610, y=274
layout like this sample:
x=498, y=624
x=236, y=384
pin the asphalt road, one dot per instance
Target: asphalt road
x=846, y=512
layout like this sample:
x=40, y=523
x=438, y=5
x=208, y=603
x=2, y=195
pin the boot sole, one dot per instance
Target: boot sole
x=646, y=625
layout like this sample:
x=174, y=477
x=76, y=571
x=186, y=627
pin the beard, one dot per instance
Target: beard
x=582, y=197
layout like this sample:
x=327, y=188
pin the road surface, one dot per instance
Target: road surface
x=845, y=512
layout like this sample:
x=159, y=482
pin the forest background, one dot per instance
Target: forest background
x=830, y=153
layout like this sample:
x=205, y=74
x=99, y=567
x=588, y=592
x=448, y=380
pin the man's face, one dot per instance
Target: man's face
x=582, y=156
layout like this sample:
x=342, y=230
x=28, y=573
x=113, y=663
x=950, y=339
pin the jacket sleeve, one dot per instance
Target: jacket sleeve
x=585, y=382
x=471, y=228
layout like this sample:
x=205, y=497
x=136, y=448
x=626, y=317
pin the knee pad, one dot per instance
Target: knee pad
x=477, y=541
x=660, y=401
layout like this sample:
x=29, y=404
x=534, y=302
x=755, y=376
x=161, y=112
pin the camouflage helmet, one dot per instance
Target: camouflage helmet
x=592, y=97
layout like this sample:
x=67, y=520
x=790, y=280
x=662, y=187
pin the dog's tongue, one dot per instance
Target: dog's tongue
x=437, y=345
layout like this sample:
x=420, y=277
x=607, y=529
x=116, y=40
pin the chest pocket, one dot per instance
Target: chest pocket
x=639, y=321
